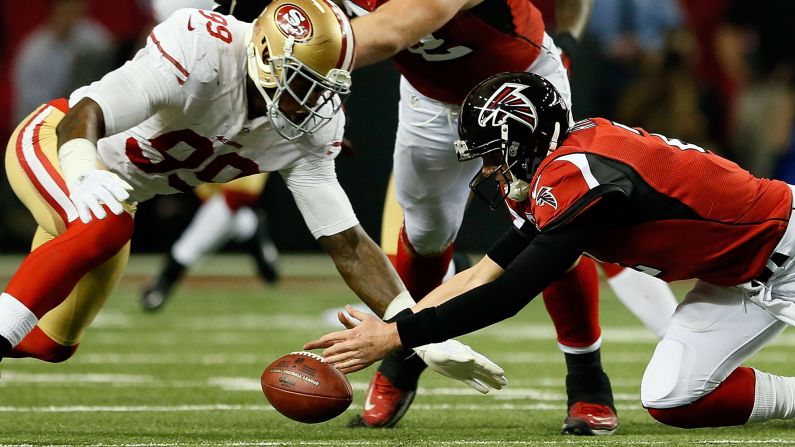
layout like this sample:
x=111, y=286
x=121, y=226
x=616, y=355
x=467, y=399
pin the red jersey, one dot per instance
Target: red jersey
x=688, y=212
x=493, y=37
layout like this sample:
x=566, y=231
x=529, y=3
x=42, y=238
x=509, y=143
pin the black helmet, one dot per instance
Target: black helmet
x=521, y=114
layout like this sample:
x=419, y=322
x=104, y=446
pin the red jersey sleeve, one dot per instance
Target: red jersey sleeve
x=565, y=186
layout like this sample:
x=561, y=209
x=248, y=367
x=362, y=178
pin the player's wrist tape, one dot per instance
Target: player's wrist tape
x=398, y=304
x=77, y=156
x=418, y=329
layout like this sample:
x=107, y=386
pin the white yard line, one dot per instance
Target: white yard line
x=455, y=442
x=263, y=407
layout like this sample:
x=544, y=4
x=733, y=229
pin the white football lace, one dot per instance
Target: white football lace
x=309, y=354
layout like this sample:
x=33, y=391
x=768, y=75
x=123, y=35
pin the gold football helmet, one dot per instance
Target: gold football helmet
x=305, y=49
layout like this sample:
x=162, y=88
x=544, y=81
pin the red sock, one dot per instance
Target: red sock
x=238, y=199
x=730, y=403
x=50, y=272
x=39, y=346
x=419, y=273
x=573, y=303
x=611, y=270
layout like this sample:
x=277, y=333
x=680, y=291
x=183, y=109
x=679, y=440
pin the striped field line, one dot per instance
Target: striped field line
x=235, y=407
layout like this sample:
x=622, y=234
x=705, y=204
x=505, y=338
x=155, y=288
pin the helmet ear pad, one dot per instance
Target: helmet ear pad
x=520, y=112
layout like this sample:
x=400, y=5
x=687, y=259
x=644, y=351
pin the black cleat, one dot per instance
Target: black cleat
x=155, y=296
x=263, y=250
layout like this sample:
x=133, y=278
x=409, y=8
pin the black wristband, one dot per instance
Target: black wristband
x=400, y=315
x=418, y=329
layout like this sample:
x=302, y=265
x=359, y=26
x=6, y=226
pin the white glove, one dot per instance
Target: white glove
x=458, y=361
x=95, y=187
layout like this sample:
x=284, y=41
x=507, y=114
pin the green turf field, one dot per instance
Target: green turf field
x=190, y=375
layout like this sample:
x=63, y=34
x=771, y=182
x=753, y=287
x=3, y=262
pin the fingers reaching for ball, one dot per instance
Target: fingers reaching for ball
x=367, y=340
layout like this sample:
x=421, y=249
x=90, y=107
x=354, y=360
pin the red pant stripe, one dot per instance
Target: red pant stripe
x=41, y=173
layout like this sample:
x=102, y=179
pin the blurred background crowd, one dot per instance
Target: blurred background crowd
x=718, y=73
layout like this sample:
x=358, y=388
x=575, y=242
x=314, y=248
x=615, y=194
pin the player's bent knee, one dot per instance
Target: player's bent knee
x=103, y=238
x=39, y=346
x=679, y=417
x=664, y=384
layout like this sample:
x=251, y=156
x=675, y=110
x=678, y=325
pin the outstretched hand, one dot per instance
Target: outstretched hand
x=367, y=340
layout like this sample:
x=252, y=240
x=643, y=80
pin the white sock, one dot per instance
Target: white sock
x=16, y=320
x=581, y=350
x=208, y=231
x=774, y=397
x=244, y=224
x=649, y=298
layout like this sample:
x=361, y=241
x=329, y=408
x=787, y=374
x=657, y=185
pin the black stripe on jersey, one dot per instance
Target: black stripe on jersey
x=641, y=202
x=498, y=15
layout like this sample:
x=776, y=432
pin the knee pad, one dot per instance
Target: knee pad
x=39, y=346
x=663, y=384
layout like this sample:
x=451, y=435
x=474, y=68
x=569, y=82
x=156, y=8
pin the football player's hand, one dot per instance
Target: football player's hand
x=95, y=187
x=458, y=361
x=367, y=340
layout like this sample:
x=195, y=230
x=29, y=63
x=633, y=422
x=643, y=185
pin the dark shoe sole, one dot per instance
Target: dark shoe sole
x=578, y=427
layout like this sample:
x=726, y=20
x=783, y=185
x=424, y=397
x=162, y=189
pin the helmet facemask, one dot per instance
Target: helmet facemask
x=511, y=160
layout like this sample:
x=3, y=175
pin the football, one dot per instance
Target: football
x=305, y=389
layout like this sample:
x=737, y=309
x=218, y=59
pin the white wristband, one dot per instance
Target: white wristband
x=401, y=302
x=77, y=156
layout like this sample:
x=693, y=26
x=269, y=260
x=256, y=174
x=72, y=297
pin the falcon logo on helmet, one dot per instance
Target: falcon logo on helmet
x=508, y=102
x=293, y=21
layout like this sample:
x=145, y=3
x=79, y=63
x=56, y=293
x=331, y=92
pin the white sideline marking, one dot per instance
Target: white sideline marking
x=230, y=407
x=246, y=384
x=13, y=376
x=508, y=393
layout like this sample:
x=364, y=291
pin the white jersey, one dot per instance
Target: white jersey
x=176, y=116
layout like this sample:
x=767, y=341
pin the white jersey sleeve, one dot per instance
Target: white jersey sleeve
x=319, y=196
x=123, y=109
x=181, y=62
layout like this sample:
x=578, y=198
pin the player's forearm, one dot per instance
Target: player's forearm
x=364, y=267
x=84, y=120
x=481, y=273
x=546, y=258
x=397, y=25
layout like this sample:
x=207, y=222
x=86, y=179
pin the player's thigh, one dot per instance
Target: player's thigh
x=713, y=331
x=431, y=185
x=550, y=67
x=33, y=170
x=252, y=184
x=66, y=322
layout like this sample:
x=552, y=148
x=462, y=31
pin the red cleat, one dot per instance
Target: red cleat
x=385, y=404
x=587, y=419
